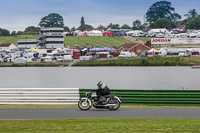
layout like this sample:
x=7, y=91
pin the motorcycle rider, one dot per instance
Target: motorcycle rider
x=102, y=91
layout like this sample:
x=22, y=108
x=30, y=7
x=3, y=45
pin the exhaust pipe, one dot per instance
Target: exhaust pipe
x=109, y=105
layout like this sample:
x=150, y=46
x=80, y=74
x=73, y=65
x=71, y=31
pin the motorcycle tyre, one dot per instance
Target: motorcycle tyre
x=118, y=102
x=82, y=108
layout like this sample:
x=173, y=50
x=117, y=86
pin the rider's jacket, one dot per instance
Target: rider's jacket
x=104, y=91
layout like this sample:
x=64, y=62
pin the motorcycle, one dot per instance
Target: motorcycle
x=111, y=102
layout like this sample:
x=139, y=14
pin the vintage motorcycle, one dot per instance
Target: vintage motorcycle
x=111, y=102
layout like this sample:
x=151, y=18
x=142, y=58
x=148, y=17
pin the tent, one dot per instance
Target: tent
x=94, y=33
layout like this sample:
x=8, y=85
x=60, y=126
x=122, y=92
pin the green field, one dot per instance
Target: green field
x=100, y=126
x=13, y=39
x=158, y=61
x=75, y=41
x=95, y=41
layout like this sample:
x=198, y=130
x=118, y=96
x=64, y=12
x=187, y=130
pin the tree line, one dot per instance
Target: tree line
x=160, y=14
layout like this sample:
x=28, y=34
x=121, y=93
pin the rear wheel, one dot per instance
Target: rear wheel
x=84, y=104
x=114, y=101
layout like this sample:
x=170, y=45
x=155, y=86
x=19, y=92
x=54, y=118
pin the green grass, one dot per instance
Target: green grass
x=94, y=41
x=159, y=61
x=100, y=126
x=13, y=39
x=75, y=41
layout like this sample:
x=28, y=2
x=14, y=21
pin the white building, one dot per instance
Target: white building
x=9, y=47
x=27, y=43
x=51, y=38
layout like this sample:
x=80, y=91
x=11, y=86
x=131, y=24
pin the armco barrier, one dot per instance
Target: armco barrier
x=156, y=97
x=46, y=96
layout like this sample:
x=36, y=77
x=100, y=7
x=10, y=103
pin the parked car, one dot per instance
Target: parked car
x=86, y=58
x=68, y=58
x=46, y=59
x=185, y=53
x=28, y=60
x=20, y=60
x=144, y=53
x=127, y=55
x=195, y=52
x=60, y=58
x=1, y=60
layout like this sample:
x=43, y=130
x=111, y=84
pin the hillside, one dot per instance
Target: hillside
x=13, y=39
x=75, y=41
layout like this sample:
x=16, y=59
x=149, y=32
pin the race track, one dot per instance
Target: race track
x=70, y=113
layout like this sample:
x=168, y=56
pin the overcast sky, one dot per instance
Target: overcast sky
x=19, y=14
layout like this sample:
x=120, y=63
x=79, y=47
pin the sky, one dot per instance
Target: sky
x=16, y=15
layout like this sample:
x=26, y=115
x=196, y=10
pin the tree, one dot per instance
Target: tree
x=82, y=21
x=19, y=33
x=137, y=25
x=191, y=14
x=52, y=20
x=175, y=17
x=193, y=23
x=160, y=9
x=125, y=26
x=84, y=26
x=13, y=33
x=32, y=30
x=66, y=29
x=4, y=32
x=113, y=26
x=162, y=23
x=73, y=29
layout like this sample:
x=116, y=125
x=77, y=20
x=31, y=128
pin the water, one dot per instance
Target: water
x=114, y=77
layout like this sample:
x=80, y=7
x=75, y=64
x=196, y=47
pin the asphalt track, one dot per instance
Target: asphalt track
x=70, y=113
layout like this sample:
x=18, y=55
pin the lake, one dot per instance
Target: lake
x=87, y=77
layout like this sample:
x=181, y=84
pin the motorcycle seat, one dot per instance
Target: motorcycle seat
x=109, y=96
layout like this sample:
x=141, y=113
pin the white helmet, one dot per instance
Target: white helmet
x=101, y=85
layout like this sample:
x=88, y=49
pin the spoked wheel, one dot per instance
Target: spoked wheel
x=114, y=101
x=84, y=104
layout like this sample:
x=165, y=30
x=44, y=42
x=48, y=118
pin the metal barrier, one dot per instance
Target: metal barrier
x=156, y=97
x=45, y=96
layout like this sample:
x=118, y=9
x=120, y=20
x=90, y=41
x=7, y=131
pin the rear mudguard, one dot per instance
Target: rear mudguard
x=118, y=99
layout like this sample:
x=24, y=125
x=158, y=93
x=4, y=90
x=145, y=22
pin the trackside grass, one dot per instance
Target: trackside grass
x=100, y=126
x=158, y=61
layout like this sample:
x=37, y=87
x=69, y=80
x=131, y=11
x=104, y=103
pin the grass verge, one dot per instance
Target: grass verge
x=100, y=125
x=158, y=61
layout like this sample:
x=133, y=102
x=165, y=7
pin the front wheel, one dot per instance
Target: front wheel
x=116, y=102
x=84, y=104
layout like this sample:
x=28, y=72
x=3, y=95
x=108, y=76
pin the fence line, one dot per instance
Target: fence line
x=39, y=96
x=156, y=97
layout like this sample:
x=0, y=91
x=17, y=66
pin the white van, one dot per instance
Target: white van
x=127, y=55
x=68, y=58
x=186, y=53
